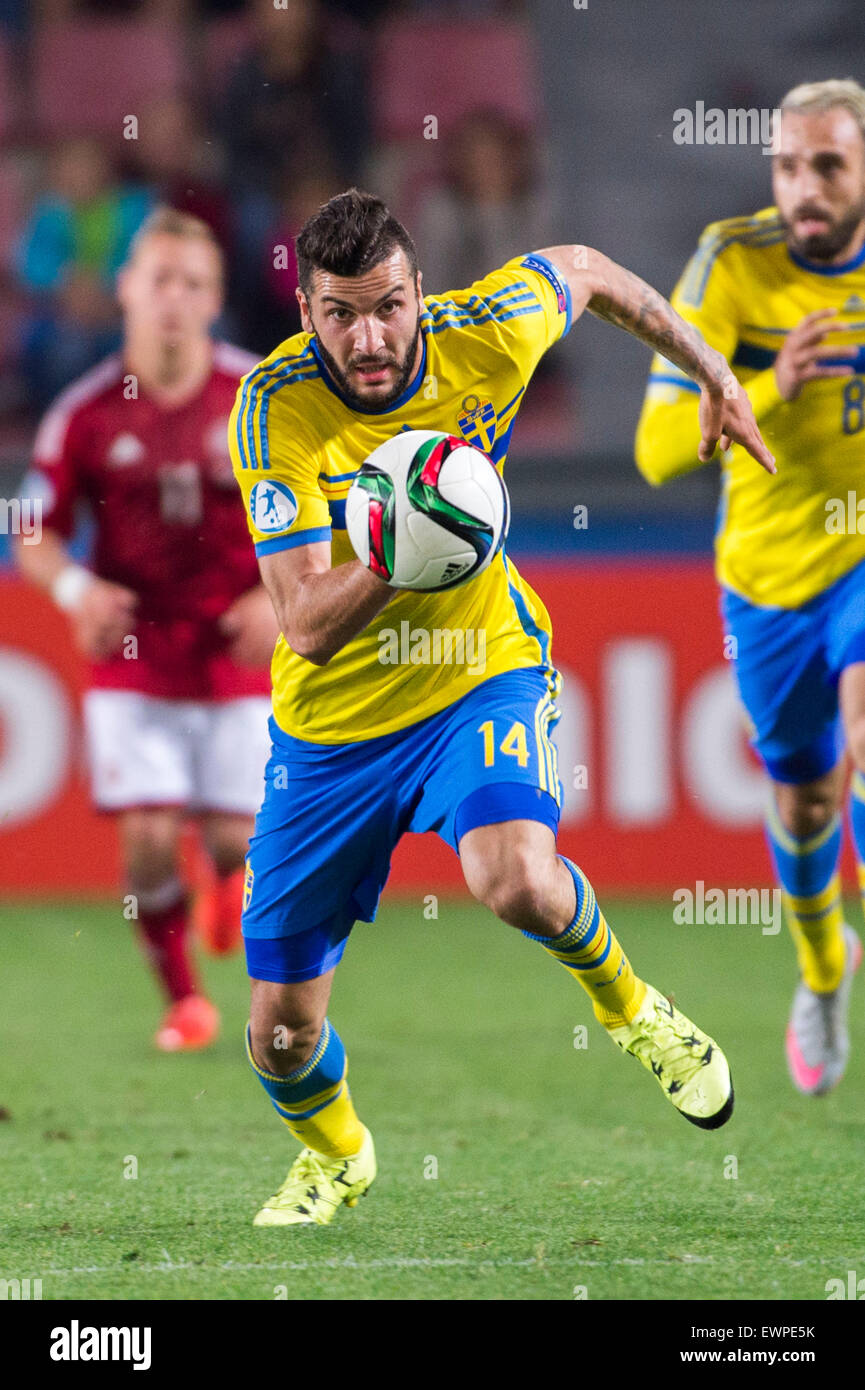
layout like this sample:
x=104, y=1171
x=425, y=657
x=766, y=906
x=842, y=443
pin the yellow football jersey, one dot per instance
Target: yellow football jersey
x=296, y=447
x=778, y=543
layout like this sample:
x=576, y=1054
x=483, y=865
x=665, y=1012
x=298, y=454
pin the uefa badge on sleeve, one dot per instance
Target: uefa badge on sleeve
x=272, y=506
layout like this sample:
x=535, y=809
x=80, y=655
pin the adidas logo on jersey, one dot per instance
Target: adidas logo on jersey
x=124, y=450
x=854, y=305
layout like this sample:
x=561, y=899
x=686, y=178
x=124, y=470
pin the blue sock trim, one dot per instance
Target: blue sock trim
x=325, y=1068
x=584, y=923
x=295, y=1115
x=598, y=960
x=804, y=866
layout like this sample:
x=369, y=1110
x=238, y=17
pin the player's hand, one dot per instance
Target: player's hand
x=801, y=357
x=103, y=617
x=250, y=624
x=726, y=417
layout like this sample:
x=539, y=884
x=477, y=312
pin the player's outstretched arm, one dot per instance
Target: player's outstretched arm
x=610, y=292
x=320, y=609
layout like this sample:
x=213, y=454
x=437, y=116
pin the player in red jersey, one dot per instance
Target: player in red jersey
x=171, y=614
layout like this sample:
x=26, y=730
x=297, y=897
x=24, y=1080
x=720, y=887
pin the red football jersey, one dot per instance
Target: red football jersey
x=169, y=521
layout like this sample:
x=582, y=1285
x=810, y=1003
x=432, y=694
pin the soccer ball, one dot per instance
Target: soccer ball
x=427, y=511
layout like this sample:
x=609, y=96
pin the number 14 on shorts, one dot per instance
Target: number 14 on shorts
x=513, y=745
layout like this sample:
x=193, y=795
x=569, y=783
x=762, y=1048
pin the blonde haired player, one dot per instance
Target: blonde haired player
x=363, y=752
x=169, y=613
x=782, y=294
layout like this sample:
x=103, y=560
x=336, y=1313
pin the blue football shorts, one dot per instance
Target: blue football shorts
x=333, y=813
x=787, y=665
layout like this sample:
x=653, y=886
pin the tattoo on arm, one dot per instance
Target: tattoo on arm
x=626, y=300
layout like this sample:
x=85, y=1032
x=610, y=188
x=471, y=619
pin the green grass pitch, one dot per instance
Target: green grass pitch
x=558, y=1168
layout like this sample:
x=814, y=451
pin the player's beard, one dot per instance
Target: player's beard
x=828, y=245
x=355, y=398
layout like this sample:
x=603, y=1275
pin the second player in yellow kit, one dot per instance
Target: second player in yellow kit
x=745, y=290
x=782, y=294
x=365, y=748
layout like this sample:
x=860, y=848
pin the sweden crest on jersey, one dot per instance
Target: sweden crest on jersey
x=477, y=422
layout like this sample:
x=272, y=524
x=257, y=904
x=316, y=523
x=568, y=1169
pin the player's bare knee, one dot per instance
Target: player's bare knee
x=805, y=810
x=282, y=1047
x=226, y=839
x=855, y=733
x=516, y=890
x=150, y=866
x=150, y=848
x=284, y=1028
x=228, y=853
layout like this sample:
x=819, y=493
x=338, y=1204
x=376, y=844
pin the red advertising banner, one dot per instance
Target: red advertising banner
x=661, y=788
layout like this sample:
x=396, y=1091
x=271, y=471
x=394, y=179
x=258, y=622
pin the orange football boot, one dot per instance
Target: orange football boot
x=189, y=1025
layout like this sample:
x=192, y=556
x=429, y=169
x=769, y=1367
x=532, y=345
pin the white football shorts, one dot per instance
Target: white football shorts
x=201, y=755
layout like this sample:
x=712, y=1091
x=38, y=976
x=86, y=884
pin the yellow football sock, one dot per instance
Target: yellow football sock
x=817, y=926
x=314, y=1101
x=327, y=1123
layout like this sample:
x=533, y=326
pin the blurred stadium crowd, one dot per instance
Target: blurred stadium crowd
x=249, y=113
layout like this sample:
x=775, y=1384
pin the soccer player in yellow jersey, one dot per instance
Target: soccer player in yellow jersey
x=782, y=294
x=365, y=749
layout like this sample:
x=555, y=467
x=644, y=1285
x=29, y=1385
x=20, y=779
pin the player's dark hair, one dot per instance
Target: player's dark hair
x=348, y=236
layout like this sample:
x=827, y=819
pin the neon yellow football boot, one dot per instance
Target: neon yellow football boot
x=316, y=1187
x=689, y=1066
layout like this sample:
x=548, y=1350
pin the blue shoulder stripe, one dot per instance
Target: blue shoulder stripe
x=480, y=310
x=284, y=372
x=258, y=387
x=697, y=275
x=450, y=321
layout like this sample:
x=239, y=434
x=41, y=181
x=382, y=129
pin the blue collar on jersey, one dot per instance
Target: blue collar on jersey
x=842, y=269
x=406, y=395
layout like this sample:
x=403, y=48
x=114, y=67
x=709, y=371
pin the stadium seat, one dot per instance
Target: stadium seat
x=423, y=68
x=88, y=75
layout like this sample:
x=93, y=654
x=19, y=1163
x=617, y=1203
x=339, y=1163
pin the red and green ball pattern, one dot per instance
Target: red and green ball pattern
x=423, y=493
x=382, y=505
